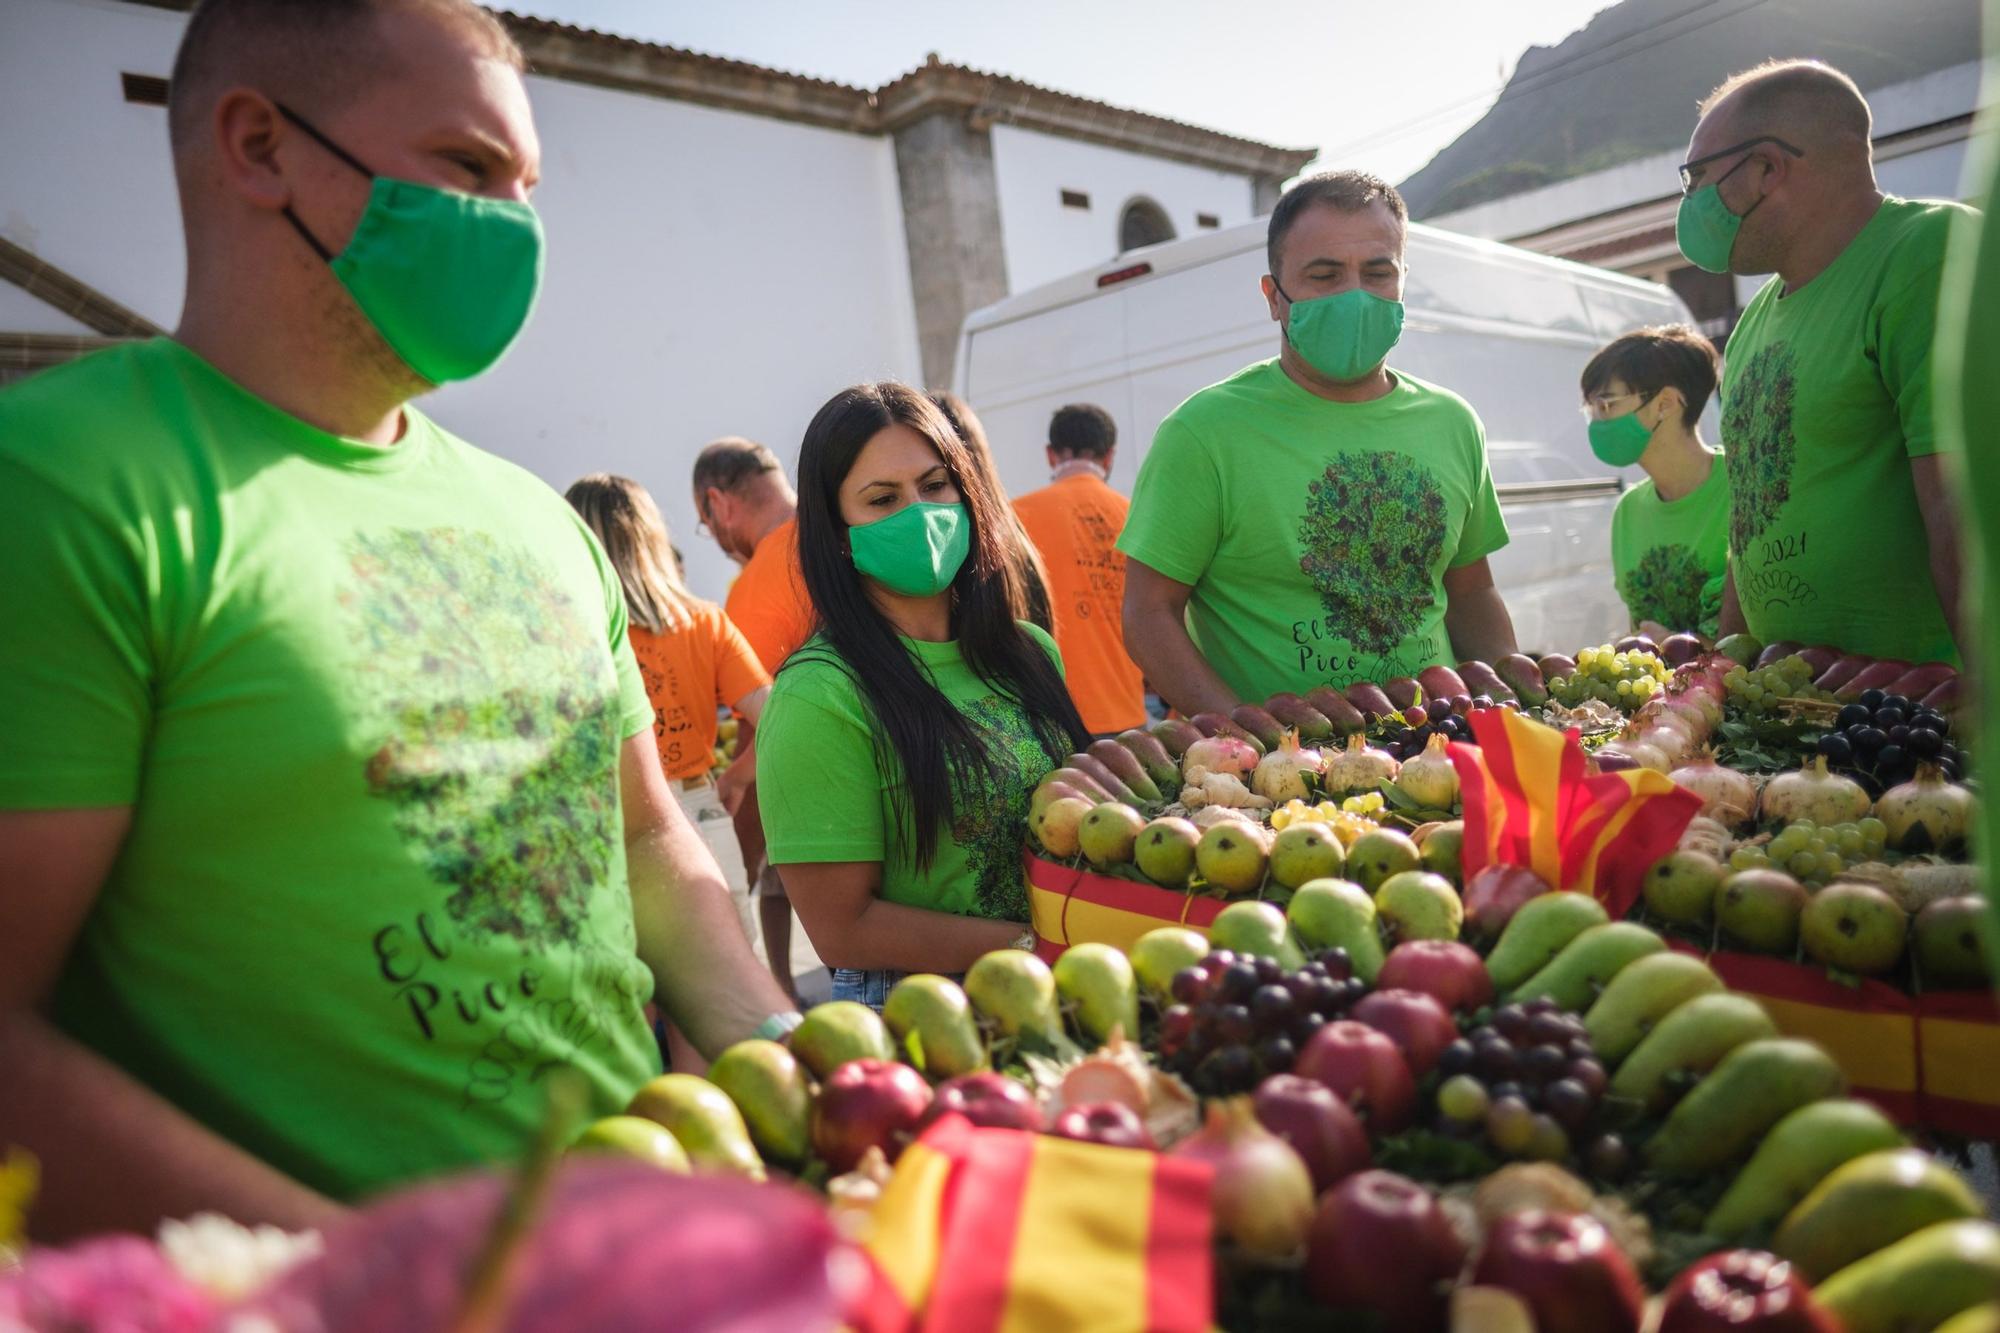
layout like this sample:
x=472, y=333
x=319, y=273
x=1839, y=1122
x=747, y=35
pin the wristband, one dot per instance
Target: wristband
x=779, y=1026
x=1025, y=941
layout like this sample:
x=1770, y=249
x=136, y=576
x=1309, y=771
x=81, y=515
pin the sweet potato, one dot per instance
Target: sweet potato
x=1153, y=757
x=1441, y=682
x=1176, y=733
x=1482, y=679
x=1819, y=657
x=1875, y=676
x=1100, y=774
x=1944, y=698
x=1919, y=681
x=1777, y=652
x=1402, y=691
x=1215, y=724
x=1301, y=716
x=1523, y=678
x=1346, y=718
x=1846, y=669
x=1370, y=699
x=1555, y=666
x=1259, y=723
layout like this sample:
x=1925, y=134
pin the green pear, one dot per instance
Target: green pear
x=1443, y=850
x=1681, y=887
x=1338, y=914
x=1420, y=905
x=770, y=1088
x=1099, y=981
x=1760, y=909
x=636, y=1137
x=1306, y=851
x=1109, y=834
x=1867, y=1204
x=1854, y=927
x=1750, y=1089
x=1948, y=938
x=1690, y=1040
x=1640, y=996
x=703, y=1119
x=1058, y=826
x=1917, y=1283
x=1983, y=1318
x=1542, y=928
x=1165, y=852
x=1158, y=954
x=1377, y=855
x=931, y=1017
x=1798, y=1153
x=1231, y=856
x=838, y=1031
x=1017, y=992
x=1257, y=929
x=1587, y=964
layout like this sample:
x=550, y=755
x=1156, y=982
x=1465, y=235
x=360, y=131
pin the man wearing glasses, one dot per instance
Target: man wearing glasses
x=1840, y=529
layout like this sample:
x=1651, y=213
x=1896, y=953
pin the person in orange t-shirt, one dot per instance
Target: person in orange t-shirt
x=1074, y=522
x=747, y=506
x=693, y=660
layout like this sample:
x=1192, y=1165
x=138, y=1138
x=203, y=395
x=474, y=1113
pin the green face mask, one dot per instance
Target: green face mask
x=447, y=279
x=1618, y=441
x=916, y=551
x=1344, y=336
x=1705, y=229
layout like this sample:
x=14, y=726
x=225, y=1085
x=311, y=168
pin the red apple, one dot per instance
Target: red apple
x=1380, y=1242
x=1574, y=1278
x=1363, y=1068
x=867, y=1104
x=1419, y=1025
x=1113, y=1124
x=1493, y=896
x=1743, y=1290
x=1317, y=1124
x=1447, y=971
x=991, y=1101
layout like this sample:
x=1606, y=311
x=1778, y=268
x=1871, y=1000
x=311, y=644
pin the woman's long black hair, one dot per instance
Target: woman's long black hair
x=937, y=746
x=1028, y=592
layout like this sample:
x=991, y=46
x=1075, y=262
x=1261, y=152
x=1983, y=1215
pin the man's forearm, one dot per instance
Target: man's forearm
x=116, y=1156
x=1946, y=578
x=704, y=974
x=1478, y=625
x=1159, y=644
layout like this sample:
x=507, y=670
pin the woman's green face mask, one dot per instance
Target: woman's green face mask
x=916, y=551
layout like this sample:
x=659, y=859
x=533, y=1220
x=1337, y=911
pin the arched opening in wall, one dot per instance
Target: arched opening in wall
x=1143, y=223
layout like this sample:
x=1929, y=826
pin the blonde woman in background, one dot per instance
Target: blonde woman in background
x=694, y=661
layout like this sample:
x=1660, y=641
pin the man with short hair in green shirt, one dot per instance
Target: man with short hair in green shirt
x=1319, y=518
x=1841, y=525
x=331, y=823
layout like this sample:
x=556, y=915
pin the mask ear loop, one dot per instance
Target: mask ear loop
x=326, y=255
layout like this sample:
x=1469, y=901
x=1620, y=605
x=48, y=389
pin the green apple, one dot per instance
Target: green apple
x=1854, y=927
x=1165, y=852
x=1306, y=851
x=1681, y=887
x=1949, y=939
x=1376, y=856
x=1761, y=909
x=1231, y=856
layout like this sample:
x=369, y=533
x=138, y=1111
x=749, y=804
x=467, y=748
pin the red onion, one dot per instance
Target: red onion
x=1263, y=1195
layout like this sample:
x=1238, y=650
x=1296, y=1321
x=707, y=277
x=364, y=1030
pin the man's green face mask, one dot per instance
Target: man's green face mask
x=1704, y=228
x=447, y=279
x=1343, y=336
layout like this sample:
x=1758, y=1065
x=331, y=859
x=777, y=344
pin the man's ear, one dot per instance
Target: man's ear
x=247, y=130
x=1271, y=298
x=1050, y=452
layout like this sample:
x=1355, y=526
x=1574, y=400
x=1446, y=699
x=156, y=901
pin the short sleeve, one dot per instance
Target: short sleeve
x=76, y=671
x=768, y=602
x=1905, y=327
x=1175, y=523
x=804, y=740
x=1485, y=529
x=1041, y=636
x=738, y=673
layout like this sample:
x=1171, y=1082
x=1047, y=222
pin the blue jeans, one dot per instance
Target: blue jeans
x=872, y=988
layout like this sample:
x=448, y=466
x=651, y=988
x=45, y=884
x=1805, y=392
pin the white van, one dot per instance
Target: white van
x=1508, y=329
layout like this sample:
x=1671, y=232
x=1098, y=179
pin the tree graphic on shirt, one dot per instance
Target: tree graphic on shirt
x=990, y=808
x=500, y=715
x=1666, y=586
x=1373, y=529
x=1757, y=427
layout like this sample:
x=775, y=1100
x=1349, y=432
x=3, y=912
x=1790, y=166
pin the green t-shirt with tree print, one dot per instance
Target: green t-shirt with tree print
x=1670, y=556
x=828, y=792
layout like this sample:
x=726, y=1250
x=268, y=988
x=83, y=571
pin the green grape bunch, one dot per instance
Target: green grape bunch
x=1758, y=693
x=1623, y=680
x=1813, y=853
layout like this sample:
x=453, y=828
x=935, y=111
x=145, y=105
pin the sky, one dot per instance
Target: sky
x=1379, y=85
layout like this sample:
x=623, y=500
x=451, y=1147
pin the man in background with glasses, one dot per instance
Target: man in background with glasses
x=1840, y=528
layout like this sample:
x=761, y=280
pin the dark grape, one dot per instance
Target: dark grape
x=1569, y=1102
x=1300, y=985
x=1200, y=1041
x=1218, y=960
x=1231, y=1069
x=1590, y=1074
x=1239, y=980
x=1936, y=721
x=1276, y=1055
x=1304, y=1025
x=1608, y=1158
x=1512, y=1022
x=1548, y=1029
x=1854, y=715
x=1507, y=1087
x=1271, y=1008
x=1233, y=1025
x=1872, y=699
x=1891, y=759
x=1886, y=718
x=1437, y=710
x=1337, y=964
x=1542, y=1004
x=1839, y=750
x=1482, y=701
x=1483, y=1033
x=1456, y=1058
x=1190, y=984
x=1899, y=734
x=1950, y=769
x=1897, y=701
x=1867, y=740
x=1329, y=997
x=1176, y=1025
x=1542, y=1063
x=1268, y=970
x=1496, y=1060
x=1924, y=743
x=1580, y=1049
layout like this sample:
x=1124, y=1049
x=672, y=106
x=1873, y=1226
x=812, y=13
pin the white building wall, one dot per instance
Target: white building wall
x=709, y=273
x=1044, y=240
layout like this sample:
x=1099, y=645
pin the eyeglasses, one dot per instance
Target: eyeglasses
x=1599, y=405
x=1687, y=168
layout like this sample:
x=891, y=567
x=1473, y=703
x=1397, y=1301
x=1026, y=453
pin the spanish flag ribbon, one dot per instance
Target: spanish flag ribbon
x=1530, y=800
x=1001, y=1231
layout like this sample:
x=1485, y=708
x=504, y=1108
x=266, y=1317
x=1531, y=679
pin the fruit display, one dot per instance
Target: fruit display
x=1624, y=679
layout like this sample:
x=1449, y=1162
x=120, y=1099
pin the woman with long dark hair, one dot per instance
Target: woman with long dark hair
x=901, y=743
x=1028, y=576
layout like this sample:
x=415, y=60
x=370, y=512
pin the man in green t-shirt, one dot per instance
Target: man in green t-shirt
x=1840, y=529
x=330, y=820
x=1317, y=518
